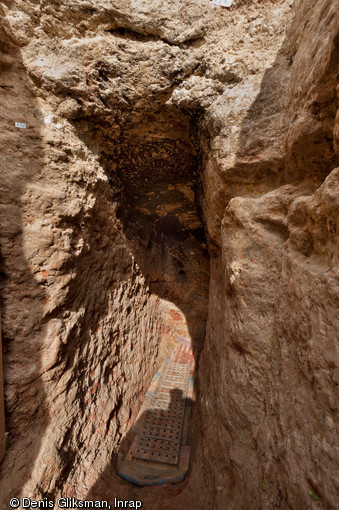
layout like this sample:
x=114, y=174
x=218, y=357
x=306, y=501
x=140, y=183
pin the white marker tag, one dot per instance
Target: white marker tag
x=21, y=125
x=223, y=3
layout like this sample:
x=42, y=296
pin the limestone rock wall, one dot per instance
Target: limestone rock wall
x=80, y=326
x=269, y=369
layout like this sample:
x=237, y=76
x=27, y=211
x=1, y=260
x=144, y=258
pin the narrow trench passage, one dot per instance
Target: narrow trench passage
x=158, y=182
x=177, y=168
x=154, y=171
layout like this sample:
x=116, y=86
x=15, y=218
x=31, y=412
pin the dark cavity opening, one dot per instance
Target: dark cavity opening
x=154, y=168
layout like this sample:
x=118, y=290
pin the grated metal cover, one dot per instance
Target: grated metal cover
x=160, y=438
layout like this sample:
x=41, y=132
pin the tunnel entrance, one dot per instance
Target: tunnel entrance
x=154, y=166
x=154, y=169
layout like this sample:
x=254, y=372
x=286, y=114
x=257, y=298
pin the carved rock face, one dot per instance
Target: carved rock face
x=176, y=176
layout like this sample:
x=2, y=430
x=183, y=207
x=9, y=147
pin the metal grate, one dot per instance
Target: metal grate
x=160, y=438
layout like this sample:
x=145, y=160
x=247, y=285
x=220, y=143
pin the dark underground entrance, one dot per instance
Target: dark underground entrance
x=160, y=211
x=154, y=169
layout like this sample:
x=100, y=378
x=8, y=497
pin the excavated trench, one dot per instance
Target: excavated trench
x=154, y=169
x=158, y=180
x=134, y=258
x=139, y=141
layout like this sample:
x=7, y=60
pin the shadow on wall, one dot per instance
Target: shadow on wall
x=25, y=335
x=164, y=232
x=22, y=298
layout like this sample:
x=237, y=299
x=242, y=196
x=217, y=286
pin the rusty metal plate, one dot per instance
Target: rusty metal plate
x=171, y=434
x=163, y=414
x=164, y=446
x=165, y=423
x=169, y=394
x=166, y=405
x=160, y=445
x=156, y=456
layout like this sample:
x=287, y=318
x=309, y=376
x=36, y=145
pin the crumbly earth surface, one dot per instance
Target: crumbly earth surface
x=178, y=175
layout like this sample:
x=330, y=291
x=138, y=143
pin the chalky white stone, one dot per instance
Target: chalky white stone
x=223, y=3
